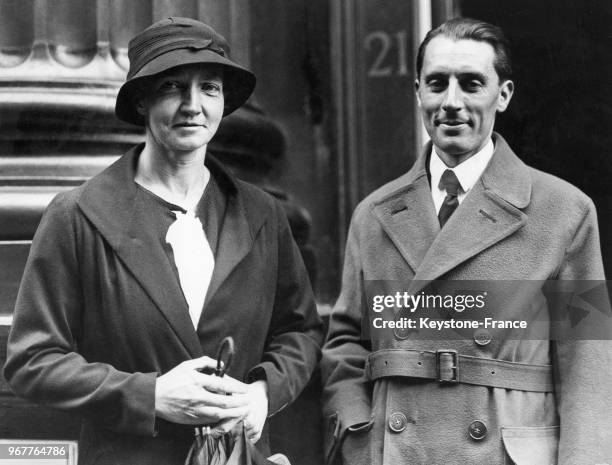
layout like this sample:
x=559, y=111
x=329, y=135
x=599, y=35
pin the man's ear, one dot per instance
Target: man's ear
x=506, y=89
x=416, y=91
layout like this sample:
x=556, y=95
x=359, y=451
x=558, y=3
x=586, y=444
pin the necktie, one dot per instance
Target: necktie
x=193, y=258
x=450, y=184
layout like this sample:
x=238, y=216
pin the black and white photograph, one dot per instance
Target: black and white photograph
x=305, y=232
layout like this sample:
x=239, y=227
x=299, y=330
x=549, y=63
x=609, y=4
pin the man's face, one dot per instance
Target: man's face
x=459, y=93
x=184, y=107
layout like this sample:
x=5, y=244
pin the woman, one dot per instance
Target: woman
x=135, y=277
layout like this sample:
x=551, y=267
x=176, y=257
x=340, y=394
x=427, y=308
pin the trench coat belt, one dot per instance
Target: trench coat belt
x=447, y=366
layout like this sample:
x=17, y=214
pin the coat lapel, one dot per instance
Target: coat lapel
x=408, y=216
x=111, y=201
x=235, y=239
x=490, y=212
x=159, y=281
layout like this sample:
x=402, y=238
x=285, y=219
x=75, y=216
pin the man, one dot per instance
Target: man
x=468, y=209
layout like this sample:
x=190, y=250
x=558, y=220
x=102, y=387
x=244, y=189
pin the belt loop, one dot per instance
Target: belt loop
x=368, y=367
x=443, y=368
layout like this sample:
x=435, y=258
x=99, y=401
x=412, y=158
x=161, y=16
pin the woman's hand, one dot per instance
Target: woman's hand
x=255, y=418
x=257, y=409
x=186, y=396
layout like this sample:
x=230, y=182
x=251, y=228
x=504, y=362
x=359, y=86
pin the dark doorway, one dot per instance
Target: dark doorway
x=560, y=119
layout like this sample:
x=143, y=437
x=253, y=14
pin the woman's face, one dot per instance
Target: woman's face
x=184, y=107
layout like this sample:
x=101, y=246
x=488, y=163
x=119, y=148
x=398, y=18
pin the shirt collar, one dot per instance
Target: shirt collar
x=467, y=172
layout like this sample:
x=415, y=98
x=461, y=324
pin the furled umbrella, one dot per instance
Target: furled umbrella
x=206, y=448
x=229, y=448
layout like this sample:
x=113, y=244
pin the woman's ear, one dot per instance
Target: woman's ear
x=139, y=101
x=140, y=107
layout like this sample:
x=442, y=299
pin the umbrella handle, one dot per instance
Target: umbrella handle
x=225, y=354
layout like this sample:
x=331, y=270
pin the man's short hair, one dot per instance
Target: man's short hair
x=472, y=29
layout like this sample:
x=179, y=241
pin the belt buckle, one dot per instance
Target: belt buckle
x=454, y=367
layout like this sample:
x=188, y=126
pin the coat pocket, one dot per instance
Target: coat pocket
x=355, y=445
x=537, y=445
x=337, y=436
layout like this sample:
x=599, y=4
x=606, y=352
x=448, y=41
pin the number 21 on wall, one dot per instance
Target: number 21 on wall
x=383, y=44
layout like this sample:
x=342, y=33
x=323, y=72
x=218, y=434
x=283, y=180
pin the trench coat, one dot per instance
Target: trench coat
x=98, y=317
x=516, y=223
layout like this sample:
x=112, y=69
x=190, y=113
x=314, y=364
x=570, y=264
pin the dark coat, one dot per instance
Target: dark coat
x=535, y=227
x=98, y=317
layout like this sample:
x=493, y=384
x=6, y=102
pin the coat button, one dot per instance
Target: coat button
x=477, y=430
x=482, y=337
x=401, y=333
x=397, y=422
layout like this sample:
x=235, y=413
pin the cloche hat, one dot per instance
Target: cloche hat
x=174, y=42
